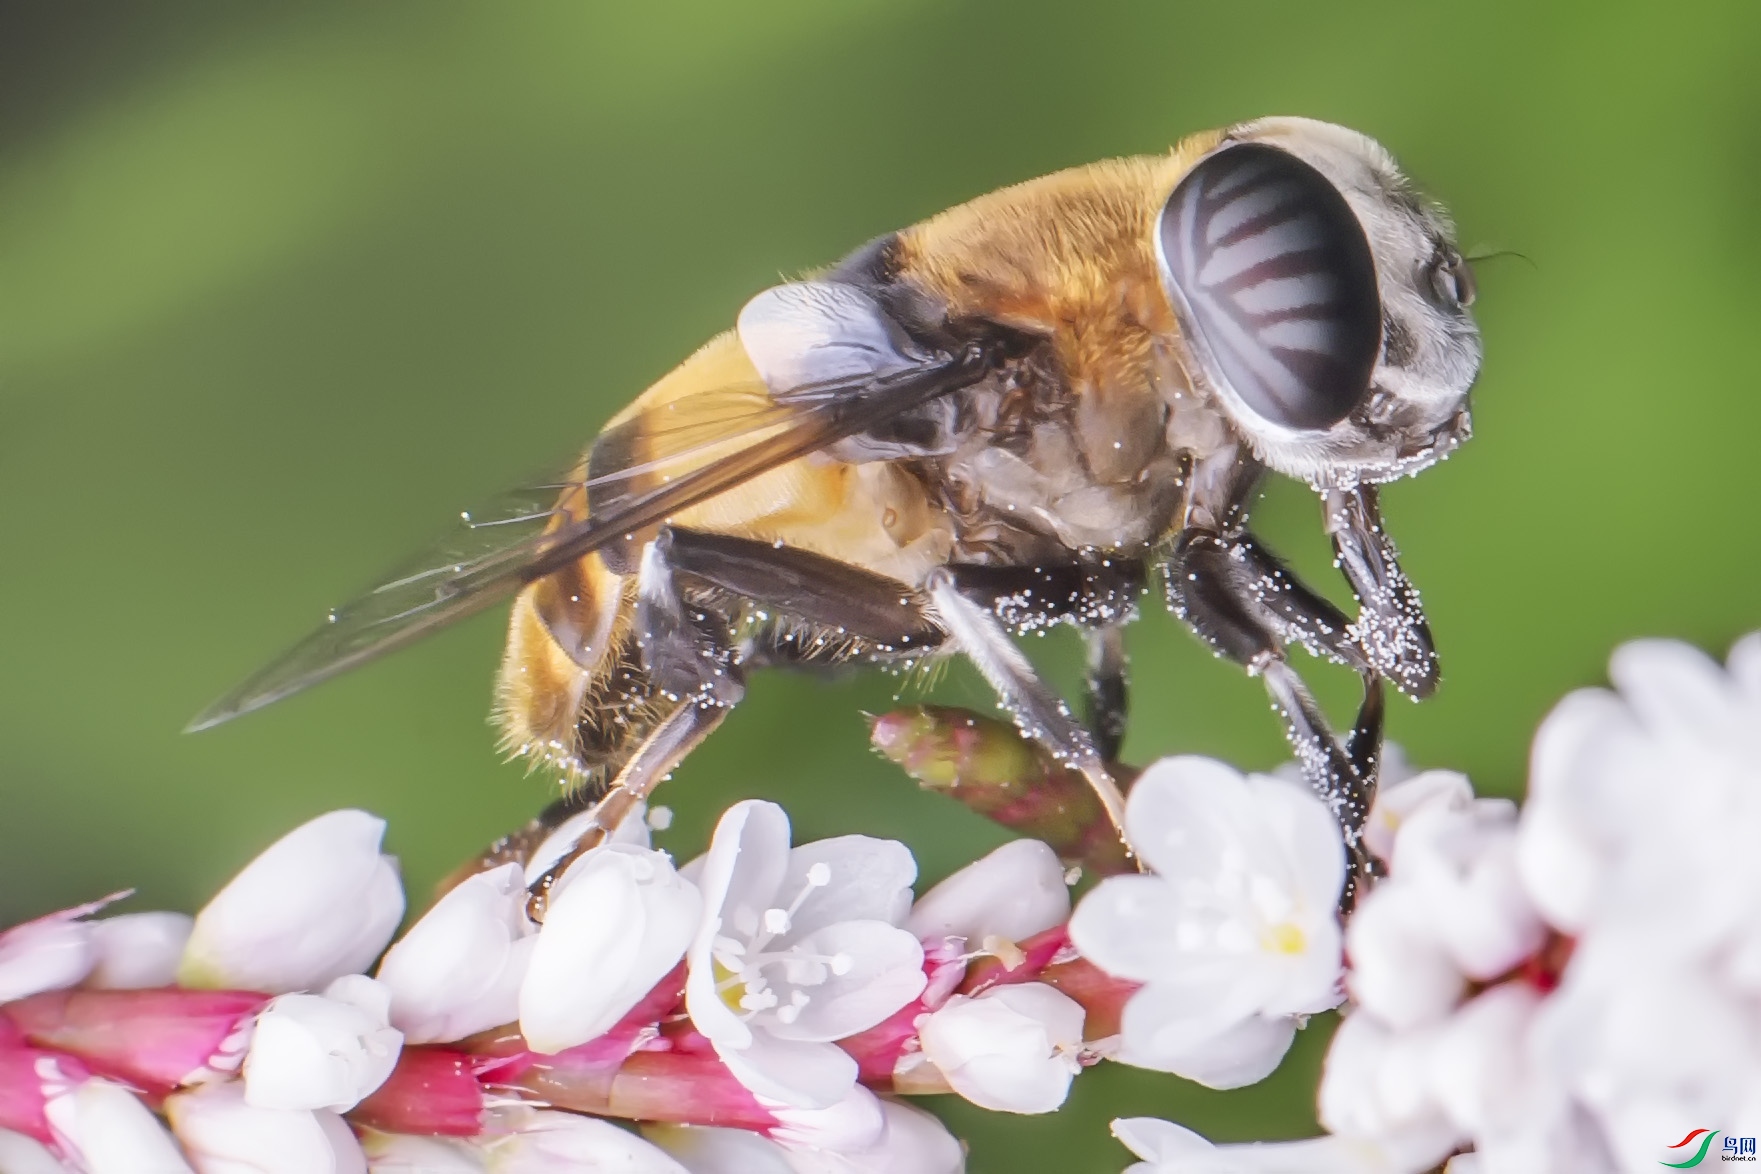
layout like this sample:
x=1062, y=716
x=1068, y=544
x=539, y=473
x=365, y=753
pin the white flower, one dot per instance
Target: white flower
x=1012, y=1048
x=1400, y=972
x=136, y=951
x=319, y=903
x=323, y=1051
x=1463, y=861
x=23, y=1155
x=1625, y=790
x=1235, y=935
x=560, y=1143
x=1167, y=1148
x=105, y=1129
x=1013, y=893
x=389, y=1153
x=1617, y=918
x=618, y=920
x=798, y=947
x=1453, y=909
x=458, y=970
x=1401, y=799
x=224, y=1134
x=1376, y=1088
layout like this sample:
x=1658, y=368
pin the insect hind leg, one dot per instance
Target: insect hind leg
x=660, y=753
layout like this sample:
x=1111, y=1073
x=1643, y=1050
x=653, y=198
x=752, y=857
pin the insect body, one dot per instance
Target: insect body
x=1010, y=415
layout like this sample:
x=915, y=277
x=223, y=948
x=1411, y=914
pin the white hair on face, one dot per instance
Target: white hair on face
x=1415, y=411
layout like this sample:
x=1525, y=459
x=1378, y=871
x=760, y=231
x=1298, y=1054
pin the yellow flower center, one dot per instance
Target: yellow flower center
x=1284, y=938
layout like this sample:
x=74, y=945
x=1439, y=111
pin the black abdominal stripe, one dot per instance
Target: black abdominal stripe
x=1274, y=284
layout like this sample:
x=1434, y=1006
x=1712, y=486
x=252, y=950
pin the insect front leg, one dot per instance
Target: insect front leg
x=1391, y=630
x=1249, y=606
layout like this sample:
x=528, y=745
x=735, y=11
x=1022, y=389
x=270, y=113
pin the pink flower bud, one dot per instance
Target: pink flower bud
x=156, y=1039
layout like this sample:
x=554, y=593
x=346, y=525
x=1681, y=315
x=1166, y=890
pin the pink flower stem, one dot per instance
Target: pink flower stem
x=432, y=1090
x=25, y=1075
x=677, y=1087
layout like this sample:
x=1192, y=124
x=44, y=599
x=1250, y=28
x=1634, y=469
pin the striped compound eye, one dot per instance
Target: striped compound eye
x=1273, y=283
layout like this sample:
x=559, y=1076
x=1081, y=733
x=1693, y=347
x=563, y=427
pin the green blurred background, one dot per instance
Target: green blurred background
x=284, y=287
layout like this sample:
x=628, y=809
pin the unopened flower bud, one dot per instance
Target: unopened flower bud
x=619, y=919
x=458, y=970
x=225, y=1134
x=322, y=1051
x=319, y=903
x=138, y=950
x=988, y=766
x=1012, y=1049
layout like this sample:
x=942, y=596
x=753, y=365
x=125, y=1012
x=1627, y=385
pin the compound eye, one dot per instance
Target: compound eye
x=1273, y=283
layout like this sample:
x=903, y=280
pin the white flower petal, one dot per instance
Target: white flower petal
x=136, y=951
x=1184, y=814
x=224, y=1134
x=913, y=1142
x=621, y=915
x=22, y=1155
x=798, y=1073
x=1397, y=803
x=105, y=1129
x=1159, y=1142
x=1205, y=1033
x=1013, y=893
x=551, y=1143
x=704, y=1149
x=319, y=903
x=1311, y=856
x=747, y=859
x=884, y=972
x=1479, y=1072
x=1011, y=1049
x=856, y=1122
x=1129, y=926
x=867, y=880
x=322, y=1051
x=1400, y=972
x=1673, y=686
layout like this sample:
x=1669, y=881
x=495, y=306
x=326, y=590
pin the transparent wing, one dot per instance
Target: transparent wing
x=639, y=471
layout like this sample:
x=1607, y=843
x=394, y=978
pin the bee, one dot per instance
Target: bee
x=1021, y=412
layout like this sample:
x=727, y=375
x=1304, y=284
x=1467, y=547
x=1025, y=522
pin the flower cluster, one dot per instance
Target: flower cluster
x=1569, y=987
x=746, y=1009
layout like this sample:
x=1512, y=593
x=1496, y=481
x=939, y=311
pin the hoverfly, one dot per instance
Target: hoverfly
x=1010, y=415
